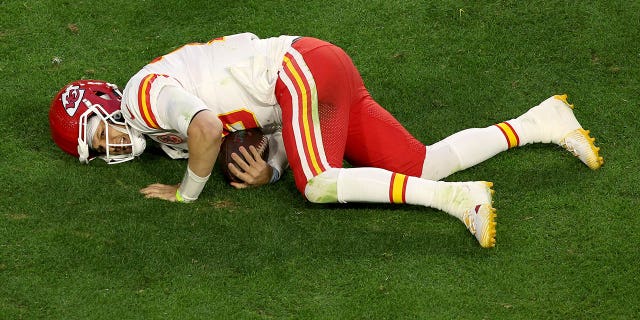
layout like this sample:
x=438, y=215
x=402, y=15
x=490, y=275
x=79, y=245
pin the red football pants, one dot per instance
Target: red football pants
x=329, y=116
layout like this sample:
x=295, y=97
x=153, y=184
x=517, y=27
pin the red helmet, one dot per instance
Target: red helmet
x=74, y=105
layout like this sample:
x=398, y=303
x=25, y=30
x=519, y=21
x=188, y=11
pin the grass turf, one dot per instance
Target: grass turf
x=79, y=241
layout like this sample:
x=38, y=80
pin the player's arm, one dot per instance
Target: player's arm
x=204, y=139
x=187, y=114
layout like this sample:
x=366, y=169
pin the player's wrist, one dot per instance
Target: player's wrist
x=191, y=186
x=275, y=175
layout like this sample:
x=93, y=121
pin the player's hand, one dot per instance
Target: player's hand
x=253, y=172
x=160, y=191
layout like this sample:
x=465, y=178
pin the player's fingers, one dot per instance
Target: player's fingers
x=150, y=188
x=239, y=185
x=151, y=195
x=249, y=157
x=256, y=154
x=249, y=177
x=242, y=175
x=158, y=186
x=158, y=190
x=153, y=185
x=240, y=162
x=160, y=196
x=249, y=169
x=233, y=169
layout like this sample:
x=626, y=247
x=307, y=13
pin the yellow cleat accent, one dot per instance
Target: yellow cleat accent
x=480, y=221
x=563, y=98
x=581, y=145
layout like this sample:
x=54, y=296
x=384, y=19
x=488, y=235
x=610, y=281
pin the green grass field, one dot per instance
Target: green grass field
x=80, y=242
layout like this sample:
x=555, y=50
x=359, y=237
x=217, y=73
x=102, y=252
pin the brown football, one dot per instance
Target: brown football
x=232, y=143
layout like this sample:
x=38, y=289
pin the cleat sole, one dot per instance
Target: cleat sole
x=582, y=145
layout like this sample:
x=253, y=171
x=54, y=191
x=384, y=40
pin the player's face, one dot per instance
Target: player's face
x=114, y=136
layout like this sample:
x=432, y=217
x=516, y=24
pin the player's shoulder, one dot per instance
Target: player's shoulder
x=140, y=97
x=147, y=83
x=240, y=36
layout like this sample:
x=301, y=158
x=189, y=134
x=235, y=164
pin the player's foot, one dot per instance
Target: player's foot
x=472, y=202
x=480, y=220
x=555, y=123
x=456, y=198
x=582, y=146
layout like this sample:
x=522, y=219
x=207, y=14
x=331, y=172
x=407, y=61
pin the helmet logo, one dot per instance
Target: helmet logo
x=71, y=99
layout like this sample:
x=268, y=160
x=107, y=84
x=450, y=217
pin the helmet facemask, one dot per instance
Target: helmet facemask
x=111, y=121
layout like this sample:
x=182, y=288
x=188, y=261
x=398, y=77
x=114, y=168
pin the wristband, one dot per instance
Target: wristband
x=191, y=186
x=179, y=196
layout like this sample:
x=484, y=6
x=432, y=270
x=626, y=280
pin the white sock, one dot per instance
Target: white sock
x=383, y=186
x=462, y=150
x=544, y=123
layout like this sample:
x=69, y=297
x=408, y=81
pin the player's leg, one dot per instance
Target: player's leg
x=377, y=139
x=315, y=148
x=308, y=125
x=552, y=121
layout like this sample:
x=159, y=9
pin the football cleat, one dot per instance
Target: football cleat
x=456, y=198
x=578, y=141
x=480, y=220
x=556, y=123
x=581, y=145
x=472, y=202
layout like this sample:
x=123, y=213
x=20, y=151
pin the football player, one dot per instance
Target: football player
x=189, y=99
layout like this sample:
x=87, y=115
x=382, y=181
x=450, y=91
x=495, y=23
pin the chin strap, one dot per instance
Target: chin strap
x=83, y=151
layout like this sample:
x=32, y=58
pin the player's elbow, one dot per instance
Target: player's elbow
x=205, y=127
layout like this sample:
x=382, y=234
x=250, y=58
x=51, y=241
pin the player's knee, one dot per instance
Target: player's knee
x=323, y=188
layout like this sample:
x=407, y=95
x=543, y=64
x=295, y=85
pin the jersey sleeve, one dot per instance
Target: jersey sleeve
x=158, y=102
x=177, y=107
x=277, y=156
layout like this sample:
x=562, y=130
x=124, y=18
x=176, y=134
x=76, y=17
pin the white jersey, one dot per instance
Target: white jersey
x=234, y=76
